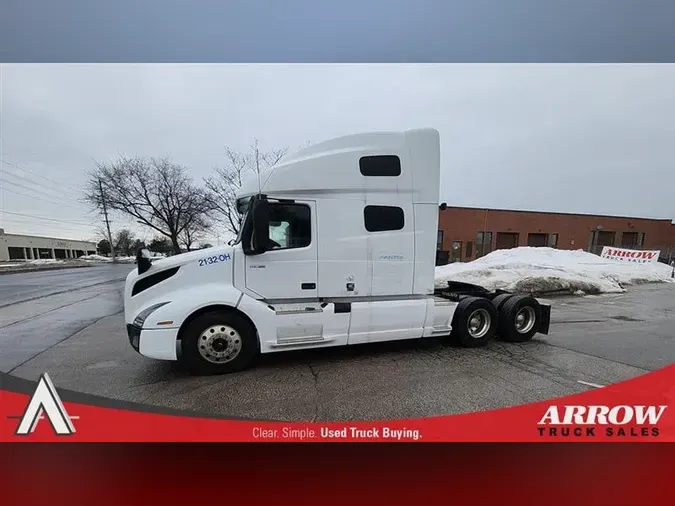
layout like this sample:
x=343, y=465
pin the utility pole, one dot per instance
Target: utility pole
x=107, y=223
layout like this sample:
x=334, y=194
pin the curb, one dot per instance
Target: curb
x=45, y=268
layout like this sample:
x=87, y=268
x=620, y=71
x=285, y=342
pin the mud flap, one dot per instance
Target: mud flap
x=545, y=321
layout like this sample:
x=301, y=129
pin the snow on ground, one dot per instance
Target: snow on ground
x=4, y=266
x=548, y=270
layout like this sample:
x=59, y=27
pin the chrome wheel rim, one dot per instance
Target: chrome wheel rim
x=525, y=319
x=219, y=344
x=478, y=323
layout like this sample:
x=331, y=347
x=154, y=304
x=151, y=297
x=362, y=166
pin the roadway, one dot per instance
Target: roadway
x=77, y=335
x=39, y=309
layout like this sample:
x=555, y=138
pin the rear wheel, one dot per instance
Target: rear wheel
x=475, y=322
x=519, y=319
x=499, y=300
x=218, y=342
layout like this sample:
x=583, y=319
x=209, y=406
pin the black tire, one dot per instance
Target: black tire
x=499, y=300
x=244, y=337
x=466, y=310
x=520, y=304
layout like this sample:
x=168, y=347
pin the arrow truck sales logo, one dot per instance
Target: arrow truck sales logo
x=591, y=421
x=45, y=401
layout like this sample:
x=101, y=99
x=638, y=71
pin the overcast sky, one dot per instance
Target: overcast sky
x=572, y=138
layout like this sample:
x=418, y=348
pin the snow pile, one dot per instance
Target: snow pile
x=43, y=261
x=100, y=258
x=95, y=258
x=5, y=266
x=548, y=270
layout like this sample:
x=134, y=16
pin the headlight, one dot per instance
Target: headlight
x=143, y=315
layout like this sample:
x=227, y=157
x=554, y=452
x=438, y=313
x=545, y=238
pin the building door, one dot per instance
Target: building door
x=507, y=240
x=483, y=243
x=629, y=240
x=606, y=238
x=537, y=240
x=600, y=238
x=456, y=252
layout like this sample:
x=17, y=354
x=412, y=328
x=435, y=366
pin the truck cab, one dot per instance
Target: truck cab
x=337, y=247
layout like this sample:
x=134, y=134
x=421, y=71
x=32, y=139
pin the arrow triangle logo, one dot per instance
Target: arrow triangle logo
x=45, y=400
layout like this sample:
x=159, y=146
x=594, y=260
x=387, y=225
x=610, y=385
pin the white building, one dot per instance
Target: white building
x=27, y=247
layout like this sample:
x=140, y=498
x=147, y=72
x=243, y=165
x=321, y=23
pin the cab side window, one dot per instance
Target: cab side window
x=290, y=226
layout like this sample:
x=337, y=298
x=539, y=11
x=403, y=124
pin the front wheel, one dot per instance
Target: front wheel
x=218, y=342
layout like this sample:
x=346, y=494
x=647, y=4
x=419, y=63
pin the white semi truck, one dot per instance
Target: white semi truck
x=337, y=247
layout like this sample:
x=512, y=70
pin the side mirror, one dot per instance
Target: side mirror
x=260, y=220
x=143, y=260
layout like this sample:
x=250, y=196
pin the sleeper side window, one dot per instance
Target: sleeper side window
x=383, y=218
x=380, y=165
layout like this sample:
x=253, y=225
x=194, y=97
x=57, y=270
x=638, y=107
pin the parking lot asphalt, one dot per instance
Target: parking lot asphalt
x=593, y=341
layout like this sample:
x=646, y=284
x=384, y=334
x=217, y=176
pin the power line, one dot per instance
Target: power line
x=16, y=222
x=40, y=175
x=42, y=199
x=46, y=219
x=59, y=192
x=24, y=229
x=28, y=220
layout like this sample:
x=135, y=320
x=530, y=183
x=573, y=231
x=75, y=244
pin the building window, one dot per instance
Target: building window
x=439, y=240
x=483, y=243
x=290, y=226
x=641, y=240
x=380, y=165
x=469, y=250
x=383, y=218
x=16, y=253
x=552, y=240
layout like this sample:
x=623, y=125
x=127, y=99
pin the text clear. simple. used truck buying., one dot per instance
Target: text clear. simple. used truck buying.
x=337, y=247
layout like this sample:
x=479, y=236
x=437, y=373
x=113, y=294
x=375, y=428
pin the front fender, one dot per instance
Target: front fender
x=185, y=302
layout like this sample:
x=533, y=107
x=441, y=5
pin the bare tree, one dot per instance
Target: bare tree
x=226, y=181
x=194, y=231
x=156, y=192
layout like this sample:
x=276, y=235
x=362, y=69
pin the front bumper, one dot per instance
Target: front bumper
x=134, y=334
x=160, y=344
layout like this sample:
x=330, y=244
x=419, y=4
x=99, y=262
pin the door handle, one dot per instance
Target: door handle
x=308, y=286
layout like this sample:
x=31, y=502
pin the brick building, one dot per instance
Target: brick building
x=468, y=233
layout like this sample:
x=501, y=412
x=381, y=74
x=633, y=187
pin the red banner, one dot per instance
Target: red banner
x=637, y=410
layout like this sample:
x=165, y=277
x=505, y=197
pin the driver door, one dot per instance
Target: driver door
x=289, y=270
